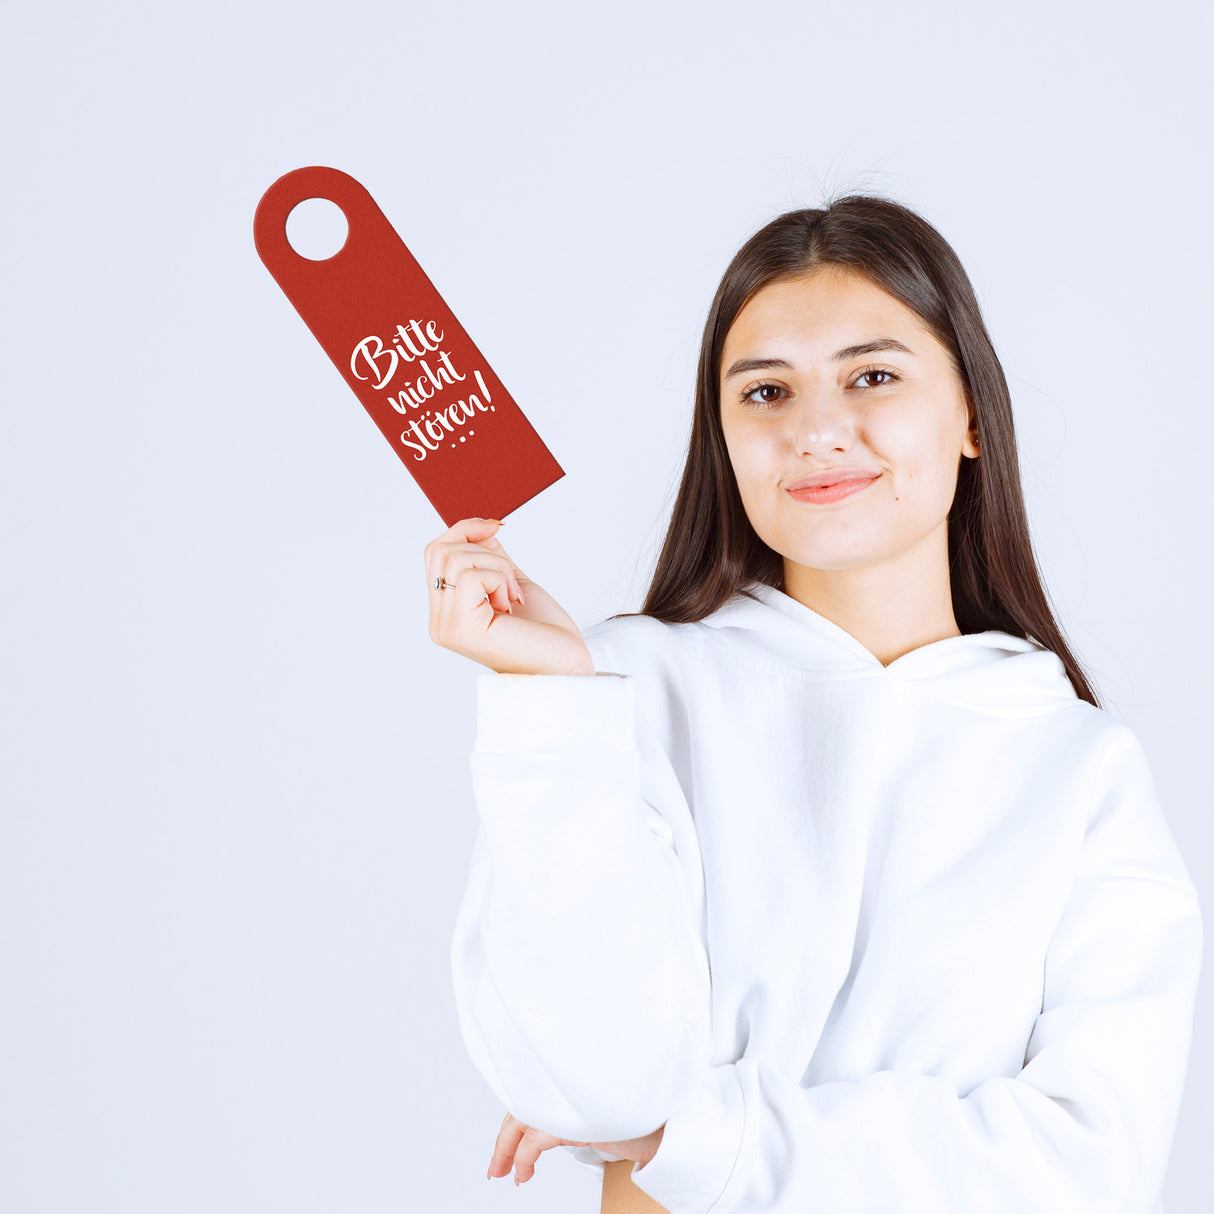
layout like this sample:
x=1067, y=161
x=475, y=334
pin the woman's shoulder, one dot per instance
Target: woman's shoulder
x=636, y=644
x=1129, y=830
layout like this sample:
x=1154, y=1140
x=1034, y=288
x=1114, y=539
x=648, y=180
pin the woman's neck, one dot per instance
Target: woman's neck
x=890, y=608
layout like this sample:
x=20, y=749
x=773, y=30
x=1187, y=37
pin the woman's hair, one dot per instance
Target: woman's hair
x=711, y=550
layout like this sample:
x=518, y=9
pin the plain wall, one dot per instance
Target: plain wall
x=236, y=806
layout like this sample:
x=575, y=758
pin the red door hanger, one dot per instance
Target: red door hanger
x=405, y=356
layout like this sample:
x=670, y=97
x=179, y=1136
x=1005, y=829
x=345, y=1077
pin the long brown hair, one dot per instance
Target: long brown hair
x=711, y=550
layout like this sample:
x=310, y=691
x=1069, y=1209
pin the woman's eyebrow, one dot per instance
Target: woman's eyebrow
x=866, y=347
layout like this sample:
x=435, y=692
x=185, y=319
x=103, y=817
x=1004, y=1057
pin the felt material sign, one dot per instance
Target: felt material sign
x=405, y=356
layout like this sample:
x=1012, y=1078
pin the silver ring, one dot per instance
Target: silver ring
x=441, y=583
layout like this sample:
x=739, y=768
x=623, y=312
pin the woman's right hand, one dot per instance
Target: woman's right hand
x=492, y=612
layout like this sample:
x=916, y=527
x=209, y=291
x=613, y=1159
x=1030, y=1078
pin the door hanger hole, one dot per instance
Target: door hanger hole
x=317, y=229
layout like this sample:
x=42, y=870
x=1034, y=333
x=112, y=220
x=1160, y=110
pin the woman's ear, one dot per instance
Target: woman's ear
x=970, y=447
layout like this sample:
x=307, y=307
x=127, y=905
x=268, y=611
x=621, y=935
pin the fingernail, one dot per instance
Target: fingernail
x=498, y=521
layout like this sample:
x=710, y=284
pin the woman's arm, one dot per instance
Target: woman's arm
x=1085, y=1126
x=581, y=983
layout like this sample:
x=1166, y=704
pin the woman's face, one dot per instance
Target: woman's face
x=826, y=401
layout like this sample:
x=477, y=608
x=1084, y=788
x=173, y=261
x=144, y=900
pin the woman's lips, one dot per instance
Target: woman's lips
x=831, y=493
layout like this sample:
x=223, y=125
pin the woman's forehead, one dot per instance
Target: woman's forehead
x=822, y=294
x=822, y=315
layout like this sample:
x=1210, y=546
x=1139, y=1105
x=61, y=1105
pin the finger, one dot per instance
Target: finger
x=447, y=562
x=473, y=556
x=473, y=603
x=531, y=1146
x=508, y=1138
x=469, y=604
x=438, y=550
x=466, y=531
x=447, y=553
x=485, y=539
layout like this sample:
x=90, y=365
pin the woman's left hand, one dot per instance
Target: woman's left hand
x=520, y=1146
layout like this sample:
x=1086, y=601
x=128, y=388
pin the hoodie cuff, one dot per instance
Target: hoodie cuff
x=699, y=1147
x=555, y=713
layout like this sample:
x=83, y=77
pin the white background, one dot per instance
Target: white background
x=237, y=813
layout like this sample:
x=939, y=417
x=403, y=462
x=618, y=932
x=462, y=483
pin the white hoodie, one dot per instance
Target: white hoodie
x=865, y=938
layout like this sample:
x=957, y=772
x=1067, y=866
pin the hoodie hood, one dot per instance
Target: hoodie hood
x=991, y=671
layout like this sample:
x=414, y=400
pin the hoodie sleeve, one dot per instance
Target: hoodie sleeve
x=580, y=981
x=1086, y=1126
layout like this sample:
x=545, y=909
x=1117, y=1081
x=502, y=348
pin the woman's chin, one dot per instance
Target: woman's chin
x=835, y=559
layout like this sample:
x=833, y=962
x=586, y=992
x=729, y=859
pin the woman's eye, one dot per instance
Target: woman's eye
x=890, y=377
x=768, y=394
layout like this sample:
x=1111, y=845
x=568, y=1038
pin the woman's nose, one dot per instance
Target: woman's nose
x=822, y=422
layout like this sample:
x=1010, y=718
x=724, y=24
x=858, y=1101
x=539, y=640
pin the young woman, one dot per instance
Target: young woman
x=823, y=883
